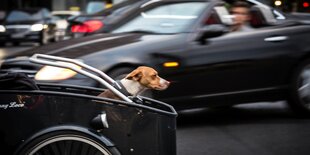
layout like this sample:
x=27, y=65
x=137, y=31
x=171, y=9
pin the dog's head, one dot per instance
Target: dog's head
x=148, y=77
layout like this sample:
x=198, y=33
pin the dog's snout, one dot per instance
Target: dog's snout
x=167, y=83
x=164, y=83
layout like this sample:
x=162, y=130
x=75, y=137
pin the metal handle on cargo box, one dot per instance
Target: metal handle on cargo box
x=69, y=63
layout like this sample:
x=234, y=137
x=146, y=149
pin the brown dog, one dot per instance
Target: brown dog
x=137, y=81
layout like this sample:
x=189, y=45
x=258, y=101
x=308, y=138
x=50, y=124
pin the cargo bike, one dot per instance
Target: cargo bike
x=57, y=119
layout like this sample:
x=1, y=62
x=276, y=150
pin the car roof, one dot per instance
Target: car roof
x=30, y=10
x=119, y=5
x=65, y=12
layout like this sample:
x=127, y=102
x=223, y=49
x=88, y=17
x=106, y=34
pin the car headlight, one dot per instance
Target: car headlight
x=2, y=28
x=50, y=73
x=37, y=27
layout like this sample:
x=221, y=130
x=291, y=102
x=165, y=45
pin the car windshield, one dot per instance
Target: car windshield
x=20, y=15
x=95, y=6
x=62, y=16
x=165, y=19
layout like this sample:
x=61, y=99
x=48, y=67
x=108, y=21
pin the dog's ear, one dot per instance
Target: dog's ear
x=135, y=75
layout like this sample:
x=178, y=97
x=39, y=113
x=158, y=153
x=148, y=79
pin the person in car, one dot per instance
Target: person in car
x=241, y=17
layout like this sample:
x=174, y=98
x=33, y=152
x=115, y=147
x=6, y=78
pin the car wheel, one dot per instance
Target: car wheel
x=66, y=142
x=299, y=99
x=120, y=73
x=2, y=44
x=16, y=43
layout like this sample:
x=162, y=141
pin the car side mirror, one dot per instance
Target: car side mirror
x=211, y=31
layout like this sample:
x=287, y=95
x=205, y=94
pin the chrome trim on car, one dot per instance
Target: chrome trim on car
x=276, y=39
x=104, y=120
x=238, y=92
x=18, y=26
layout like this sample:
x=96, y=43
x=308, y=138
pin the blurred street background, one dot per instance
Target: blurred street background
x=250, y=129
x=90, y=5
x=6, y=51
x=258, y=129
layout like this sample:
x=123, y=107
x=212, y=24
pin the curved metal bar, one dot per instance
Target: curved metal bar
x=50, y=57
x=50, y=60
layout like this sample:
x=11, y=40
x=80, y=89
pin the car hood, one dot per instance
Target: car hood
x=24, y=22
x=300, y=16
x=106, y=43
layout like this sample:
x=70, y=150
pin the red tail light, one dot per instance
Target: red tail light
x=87, y=26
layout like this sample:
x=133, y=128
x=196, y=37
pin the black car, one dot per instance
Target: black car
x=89, y=24
x=104, y=21
x=24, y=25
x=207, y=66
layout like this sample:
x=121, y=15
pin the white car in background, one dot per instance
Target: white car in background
x=62, y=23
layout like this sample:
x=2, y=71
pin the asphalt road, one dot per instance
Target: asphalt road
x=9, y=49
x=250, y=129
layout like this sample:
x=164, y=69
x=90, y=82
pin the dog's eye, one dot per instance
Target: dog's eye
x=154, y=76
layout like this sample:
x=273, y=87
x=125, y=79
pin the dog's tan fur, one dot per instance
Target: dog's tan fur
x=139, y=80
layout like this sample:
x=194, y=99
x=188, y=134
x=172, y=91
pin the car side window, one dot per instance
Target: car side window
x=219, y=15
x=278, y=15
x=212, y=19
x=165, y=18
x=46, y=13
x=261, y=16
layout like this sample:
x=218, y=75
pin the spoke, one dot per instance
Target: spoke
x=303, y=87
x=76, y=148
x=46, y=151
x=92, y=151
x=69, y=146
x=61, y=147
x=55, y=149
x=85, y=149
x=98, y=153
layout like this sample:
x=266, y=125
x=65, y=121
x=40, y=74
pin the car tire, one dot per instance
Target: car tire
x=2, y=44
x=299, y=98
x=66, y=142
x=121, y=73
x=16, y=43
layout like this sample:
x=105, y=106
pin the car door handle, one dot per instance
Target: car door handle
x=276, y=39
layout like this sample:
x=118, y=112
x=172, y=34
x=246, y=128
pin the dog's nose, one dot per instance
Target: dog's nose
x=167, y=83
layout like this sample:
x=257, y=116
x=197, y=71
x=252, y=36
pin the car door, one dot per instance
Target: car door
x=234, y=63
x=231, y=64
